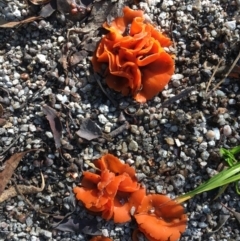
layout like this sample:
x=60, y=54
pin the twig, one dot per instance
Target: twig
x=214, y=72
x=21, y=190
x=226, y=75
x=177, y=97
x=110, y=98
x=16, y=139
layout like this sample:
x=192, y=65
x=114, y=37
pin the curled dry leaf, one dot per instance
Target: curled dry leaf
x=55, y=124
x=89, y=130
x=18, y=23
x=39, y=2
x=10, y=166
x=23, y=189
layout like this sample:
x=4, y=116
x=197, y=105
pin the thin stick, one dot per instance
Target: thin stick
x=109, y=97
x=226, y=75
x=214, y=72
x=7, y=148
x=177, y=97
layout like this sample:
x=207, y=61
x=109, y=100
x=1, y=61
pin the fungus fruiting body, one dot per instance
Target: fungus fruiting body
x=134, y=52
x=114, y=192
x=160, y=218
x=109, y=190
x=100, y=238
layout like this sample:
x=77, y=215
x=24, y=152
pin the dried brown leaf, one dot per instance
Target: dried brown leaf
x=1, y=110
x=18, y=23
x=78, y=56
x=55, y=124
x=89, y=130
x=10, y=166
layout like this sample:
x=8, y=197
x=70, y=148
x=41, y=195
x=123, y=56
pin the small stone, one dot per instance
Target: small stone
x=46, y=233
x=170, y=141
x=210, y=135
x=133, y=145
x=231, y=101
x=205, y=155
x=32, y=128
x=61, y=39
x=102, y=119
x=105, y=232
x=178, y=181
x=134, y=129
x=231, y=25
x=49, y=134
x=177, y=77
x=124, y=148
x=41, y=58
x=104, y=109
x=227, y=131
x=34, y=238
x=107, y=127
x=24, y=128
x=217, y=133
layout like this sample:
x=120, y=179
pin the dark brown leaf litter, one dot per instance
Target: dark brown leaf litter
x=15, y=24
x=75, y=224
x=89, y=130
x=10, y=166
x=55, y=124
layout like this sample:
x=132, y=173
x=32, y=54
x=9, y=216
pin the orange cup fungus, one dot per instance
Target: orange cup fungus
x=100, y=238
x=113, y=192
x=134, y=52
x=109, y=190
x=159, y=218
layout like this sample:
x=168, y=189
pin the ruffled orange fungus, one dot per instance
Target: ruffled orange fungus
x=134, y=53
x=109, y=190
x=160, y=218
x=113, y=192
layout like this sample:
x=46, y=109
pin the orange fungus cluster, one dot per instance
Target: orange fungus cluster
x=114, y=192
x=134, y=53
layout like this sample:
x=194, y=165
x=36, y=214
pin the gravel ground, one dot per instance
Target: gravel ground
x=173, y=146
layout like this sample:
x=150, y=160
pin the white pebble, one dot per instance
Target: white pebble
x=41, y=58
x=217, y=133
x=227, y=131
x=231, y=25
x=49, y=134
x=102, y=119
x=177, y=77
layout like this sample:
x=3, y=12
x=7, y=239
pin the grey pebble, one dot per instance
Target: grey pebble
x=133, y=145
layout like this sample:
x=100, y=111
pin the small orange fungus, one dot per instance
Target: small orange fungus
x=108, y=192
x=160, y=218
x=100, y=238
x=134, y=51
